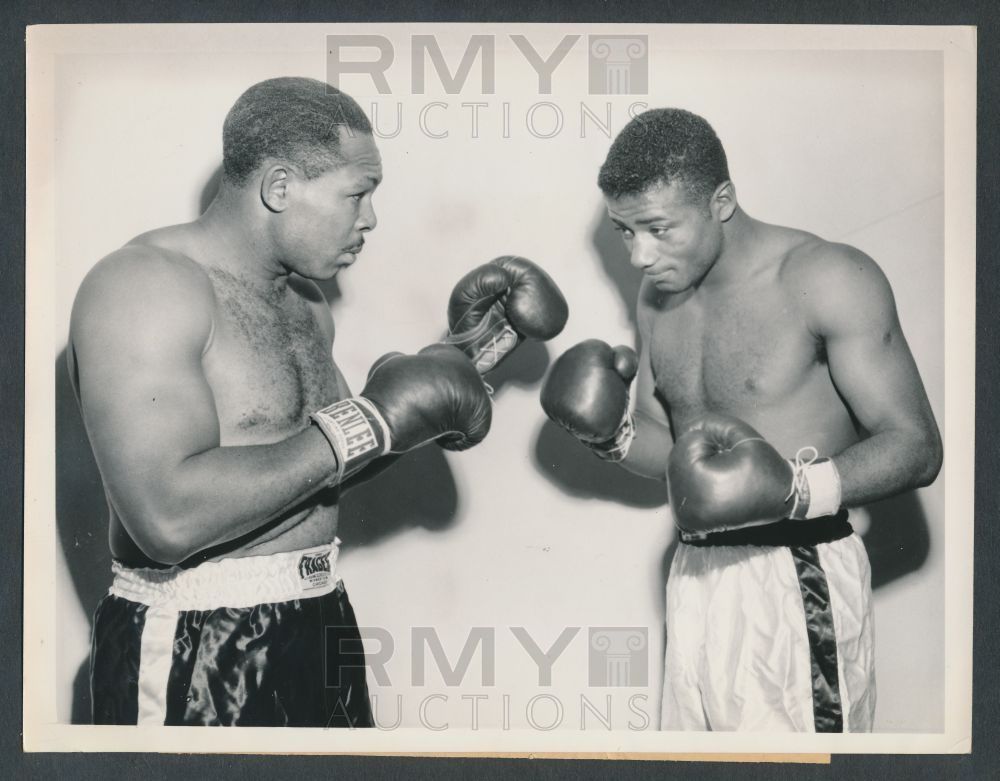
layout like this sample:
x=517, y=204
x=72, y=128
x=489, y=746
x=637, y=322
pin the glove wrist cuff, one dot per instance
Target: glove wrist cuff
x=357, y=434
x=816, y=486
x=616, y=449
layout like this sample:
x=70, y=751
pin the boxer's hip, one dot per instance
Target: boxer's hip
x=232, y=582
x=264, y=640
x=785, y=533
x=775, y=634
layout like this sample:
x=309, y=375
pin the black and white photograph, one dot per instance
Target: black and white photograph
x=499, y=388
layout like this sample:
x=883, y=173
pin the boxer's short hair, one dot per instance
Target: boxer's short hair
x=293, y=119
x=664, y=146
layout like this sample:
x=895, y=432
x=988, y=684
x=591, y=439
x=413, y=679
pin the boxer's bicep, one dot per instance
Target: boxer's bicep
x=138, y=331
x=869, y=360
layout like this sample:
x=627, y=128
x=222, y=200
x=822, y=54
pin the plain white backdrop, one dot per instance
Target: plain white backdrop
x=528, y=529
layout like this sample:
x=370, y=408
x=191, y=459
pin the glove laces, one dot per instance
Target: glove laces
x=746, y=439
x=804, y=457
x=492, y=339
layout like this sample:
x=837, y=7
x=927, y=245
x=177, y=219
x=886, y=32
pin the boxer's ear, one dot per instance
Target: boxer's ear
x=722, y=204
x=274, y=187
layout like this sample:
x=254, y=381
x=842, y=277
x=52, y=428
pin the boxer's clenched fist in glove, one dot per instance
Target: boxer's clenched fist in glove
x=408, y=401
x=587, y=393
x=722, y=474
x=497, y=305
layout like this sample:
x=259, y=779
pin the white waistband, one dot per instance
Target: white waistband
x=236, y=582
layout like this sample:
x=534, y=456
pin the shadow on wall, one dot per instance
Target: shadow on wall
x=81, y=518
x=563, y=461
x=210, y=190
x=525, y=368
x=898, y=539
x=614, y=259
x=579, y=473
x=419, y=490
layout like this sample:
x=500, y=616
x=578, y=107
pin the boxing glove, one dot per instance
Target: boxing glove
x=587, y=393
x=722, y=474
x=408, y=401
x=496, y=306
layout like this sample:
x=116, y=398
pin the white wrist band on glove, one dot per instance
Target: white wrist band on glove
x=815, y=485
x=356, y=432
x=616, y=448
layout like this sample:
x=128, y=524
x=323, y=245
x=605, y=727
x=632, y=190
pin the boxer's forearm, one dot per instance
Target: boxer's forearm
x=223, y=493
x=888, y=463
x=650, y=449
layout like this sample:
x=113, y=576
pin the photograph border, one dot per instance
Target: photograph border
x=985, y=538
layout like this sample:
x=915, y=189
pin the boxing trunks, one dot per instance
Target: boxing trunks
x=770, y=628
x=256, y=641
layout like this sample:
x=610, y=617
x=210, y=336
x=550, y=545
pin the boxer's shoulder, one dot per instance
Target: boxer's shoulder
x=830, y=280
x=141, y=285
x=149, y=260
x=813, y=262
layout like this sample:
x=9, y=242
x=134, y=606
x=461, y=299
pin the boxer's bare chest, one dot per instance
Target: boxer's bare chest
x=269, y=364
x=741, y=352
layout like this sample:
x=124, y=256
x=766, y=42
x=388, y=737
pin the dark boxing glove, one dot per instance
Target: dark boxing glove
x=587, y=393
x=722, y=474
x=499, y=304
x=408, y=401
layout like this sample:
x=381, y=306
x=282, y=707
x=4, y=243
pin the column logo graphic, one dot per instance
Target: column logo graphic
x=619, y=656
x=619, y=64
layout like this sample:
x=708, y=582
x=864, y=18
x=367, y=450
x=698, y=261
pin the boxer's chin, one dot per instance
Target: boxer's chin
x=331, y=269
x=671, y=283
x=344, y=260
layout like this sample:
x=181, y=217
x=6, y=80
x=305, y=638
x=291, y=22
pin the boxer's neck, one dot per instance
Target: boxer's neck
x=741, y=240
x=237, y=240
